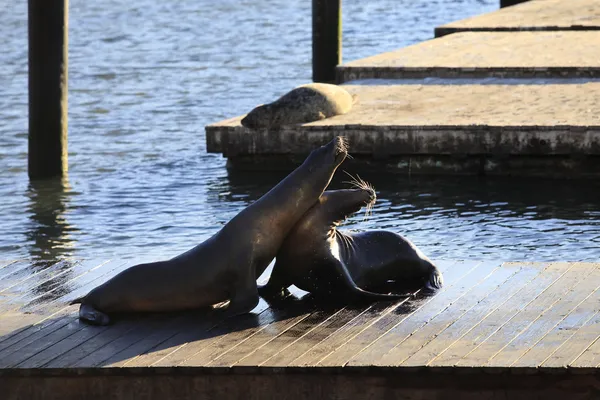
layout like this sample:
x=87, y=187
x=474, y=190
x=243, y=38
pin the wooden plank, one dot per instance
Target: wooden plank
x=444, y=339
x=14, y=271
x=143, y=327
x=53, y=308
x=590, y=358
x=354, y=327
x=48, y=281
x=78, y=283
x=538, y=328
x=25, y=278
x=425, y=312
x=425, y=324
x=488, y=325
x=310, y=339
x=190, y=330
x=561, y=333
x=446, y=327
x=56, y=349
x=284, y=339
x=83, y=348
x=263, y=337
x=130, y=355
x=45, y=340
x=33, y=332
x=230, y=340
x=213, y=335
x=575, y=345
x=6, y=263
x=506, y=333
x=378, y=327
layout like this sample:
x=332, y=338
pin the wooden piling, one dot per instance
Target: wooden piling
x=48, y=87
x=508, y=3
x=327, y=39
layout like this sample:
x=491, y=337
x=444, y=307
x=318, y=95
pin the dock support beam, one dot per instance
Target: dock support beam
x=508, y=3
x=326, y=39
x=48, y=87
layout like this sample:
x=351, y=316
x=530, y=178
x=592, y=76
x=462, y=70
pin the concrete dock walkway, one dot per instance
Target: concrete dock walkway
x=516, y=93
x=533, y=15
x=566, y=54
x=416, y=126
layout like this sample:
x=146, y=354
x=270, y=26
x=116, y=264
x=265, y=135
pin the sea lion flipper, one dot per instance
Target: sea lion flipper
x=353, y=287
x=436, y=281
x=92, y=316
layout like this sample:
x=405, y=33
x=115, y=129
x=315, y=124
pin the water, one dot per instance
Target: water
x=146, y=77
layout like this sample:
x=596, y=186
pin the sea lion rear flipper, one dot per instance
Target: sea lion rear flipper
x=78, y=300
x=351, y=285
x=92, y=316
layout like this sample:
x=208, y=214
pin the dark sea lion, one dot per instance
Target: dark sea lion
x=306, y=103
x=318, y=258
x=226, y=266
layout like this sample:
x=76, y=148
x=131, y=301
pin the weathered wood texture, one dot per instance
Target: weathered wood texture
x=545, y=15
x=534, y=325
x=564, y=54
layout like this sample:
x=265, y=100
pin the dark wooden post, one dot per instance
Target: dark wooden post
x=507, y=3
x=48, y=86
x=327, y=39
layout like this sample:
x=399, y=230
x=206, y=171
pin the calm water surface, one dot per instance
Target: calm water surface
x=146, y=77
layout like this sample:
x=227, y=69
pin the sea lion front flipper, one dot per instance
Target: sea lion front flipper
x=435, y=281
x=276, y=287
x=92, y=316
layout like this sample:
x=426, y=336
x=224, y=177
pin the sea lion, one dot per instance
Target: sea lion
x=319, y=258
x=306, y=103
x=226, y=266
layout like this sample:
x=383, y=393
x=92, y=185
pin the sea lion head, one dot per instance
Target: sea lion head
x=259, y=118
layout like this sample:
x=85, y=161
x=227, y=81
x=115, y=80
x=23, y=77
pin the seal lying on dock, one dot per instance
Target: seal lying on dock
x=318, y=258
x=306, y=103
x=226, y=266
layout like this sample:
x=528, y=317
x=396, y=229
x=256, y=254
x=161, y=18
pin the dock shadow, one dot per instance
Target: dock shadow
x=65, y=341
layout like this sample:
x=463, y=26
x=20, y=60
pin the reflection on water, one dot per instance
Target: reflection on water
x=49, y=234
x=146, y=77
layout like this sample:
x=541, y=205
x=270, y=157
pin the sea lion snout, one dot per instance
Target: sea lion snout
x=341, y=148
x=257, y=118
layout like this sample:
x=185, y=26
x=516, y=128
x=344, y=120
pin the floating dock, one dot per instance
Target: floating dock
x=565, y=54
x=491, y=99
x=534, y=15
x=502, y=330
x=462, y=128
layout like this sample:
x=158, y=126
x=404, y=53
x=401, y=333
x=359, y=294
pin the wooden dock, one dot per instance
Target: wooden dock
x=497, y=330
x=512, y=92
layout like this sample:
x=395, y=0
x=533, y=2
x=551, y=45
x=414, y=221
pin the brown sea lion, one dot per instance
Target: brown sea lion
x=319, y=258
x=226, y=266
x=306, y=103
